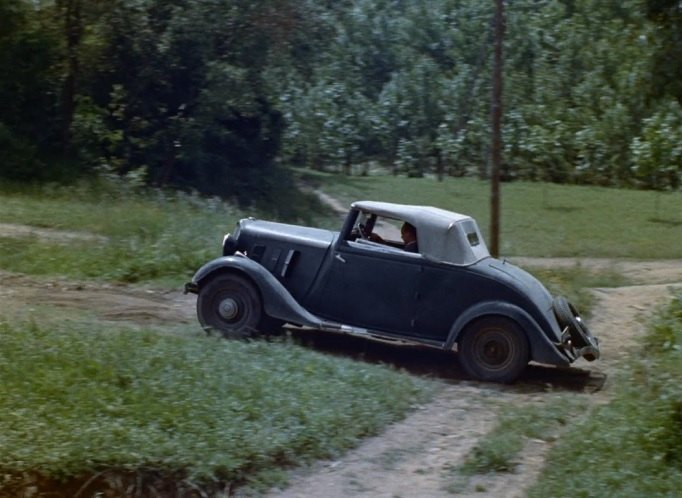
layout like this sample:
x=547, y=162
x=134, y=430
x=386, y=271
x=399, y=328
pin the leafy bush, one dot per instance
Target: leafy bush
x=657, y=153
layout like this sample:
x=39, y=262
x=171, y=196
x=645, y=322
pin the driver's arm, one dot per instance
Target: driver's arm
x=374, y=237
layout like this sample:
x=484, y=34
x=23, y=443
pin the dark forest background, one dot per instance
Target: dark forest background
x=225, y=96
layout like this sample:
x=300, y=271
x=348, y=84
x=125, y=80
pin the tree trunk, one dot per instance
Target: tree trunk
x=348, y=164
x=439, y=165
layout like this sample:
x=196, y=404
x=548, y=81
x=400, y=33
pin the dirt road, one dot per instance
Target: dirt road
x=415, y=457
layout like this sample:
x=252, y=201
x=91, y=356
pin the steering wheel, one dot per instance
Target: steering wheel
x=362, y=230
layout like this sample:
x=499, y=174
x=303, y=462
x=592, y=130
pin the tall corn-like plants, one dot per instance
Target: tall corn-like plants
x=657, y=151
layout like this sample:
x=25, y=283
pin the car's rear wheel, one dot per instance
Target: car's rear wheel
x=568, y=316
x=231, y=305
x=494, y=349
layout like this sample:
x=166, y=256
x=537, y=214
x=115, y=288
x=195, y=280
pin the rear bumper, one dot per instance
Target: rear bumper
x=590, y=351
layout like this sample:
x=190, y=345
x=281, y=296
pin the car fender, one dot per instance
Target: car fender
x=277, y=301
x=543, y=350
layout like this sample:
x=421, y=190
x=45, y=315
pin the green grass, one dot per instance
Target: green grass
x=140, y=237
x=539, y=219
x=498, y=450
x=631, y=447
x=157, y=236
x=75, y=400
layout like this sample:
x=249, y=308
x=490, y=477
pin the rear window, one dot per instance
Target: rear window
x=471, y=233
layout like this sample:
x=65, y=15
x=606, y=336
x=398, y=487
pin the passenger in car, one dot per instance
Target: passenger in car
x=408, y=233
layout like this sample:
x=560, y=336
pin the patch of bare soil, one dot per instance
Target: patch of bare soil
x=22, y=295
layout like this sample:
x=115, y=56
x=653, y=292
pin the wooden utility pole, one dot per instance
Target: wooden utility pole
x=496, y=130
x=73, y=33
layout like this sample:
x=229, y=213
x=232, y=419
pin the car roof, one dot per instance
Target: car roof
x=442, y=235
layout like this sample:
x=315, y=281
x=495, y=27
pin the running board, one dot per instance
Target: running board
x=376, y=336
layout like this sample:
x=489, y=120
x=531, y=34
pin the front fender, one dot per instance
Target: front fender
x=277, y=301
x=542, y=349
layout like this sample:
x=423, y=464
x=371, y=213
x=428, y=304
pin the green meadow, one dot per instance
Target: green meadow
x=540, y=219
x=82, y=398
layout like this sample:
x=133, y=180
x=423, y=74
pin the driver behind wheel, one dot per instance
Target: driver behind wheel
x=408, y=233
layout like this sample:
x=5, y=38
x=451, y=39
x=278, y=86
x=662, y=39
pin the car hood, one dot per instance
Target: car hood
x=292, y=234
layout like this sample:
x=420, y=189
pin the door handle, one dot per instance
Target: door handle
x=339, y=257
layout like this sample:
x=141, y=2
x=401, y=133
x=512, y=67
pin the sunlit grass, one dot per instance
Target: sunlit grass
x=75, y=398
x=144, y=236
x=127, y=234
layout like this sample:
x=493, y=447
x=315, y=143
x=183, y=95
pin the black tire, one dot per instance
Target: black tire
x=231, y=305
x=494, y=349
x=271, y=326
x=568, y=316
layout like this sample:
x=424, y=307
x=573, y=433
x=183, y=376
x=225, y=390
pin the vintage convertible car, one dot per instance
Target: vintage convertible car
x=450, y=295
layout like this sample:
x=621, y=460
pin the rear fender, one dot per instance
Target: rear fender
x=542, y=349
x=277, y=300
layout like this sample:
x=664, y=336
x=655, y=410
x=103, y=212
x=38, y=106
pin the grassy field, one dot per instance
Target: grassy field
x=126, y=236
x=80, y=397
x=138, y=237
x=539, y=219
x=164, y=237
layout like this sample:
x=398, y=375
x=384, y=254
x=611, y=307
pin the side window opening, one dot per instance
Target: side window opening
x=387, y=232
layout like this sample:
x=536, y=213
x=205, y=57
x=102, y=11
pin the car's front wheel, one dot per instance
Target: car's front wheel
x=231, y=305
x=494, y=349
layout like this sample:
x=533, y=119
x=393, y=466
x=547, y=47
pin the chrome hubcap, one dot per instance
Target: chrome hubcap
x=228, y=309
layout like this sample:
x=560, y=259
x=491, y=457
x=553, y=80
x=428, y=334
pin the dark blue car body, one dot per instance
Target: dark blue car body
x=450, y=295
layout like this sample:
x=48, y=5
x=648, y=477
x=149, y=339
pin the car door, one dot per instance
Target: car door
x=445, y=291
x=370, y=285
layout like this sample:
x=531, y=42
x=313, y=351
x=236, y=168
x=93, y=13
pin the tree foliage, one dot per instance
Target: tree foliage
x=220, y=96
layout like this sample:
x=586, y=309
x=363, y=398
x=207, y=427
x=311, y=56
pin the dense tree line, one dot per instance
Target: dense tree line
x=223, y=95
